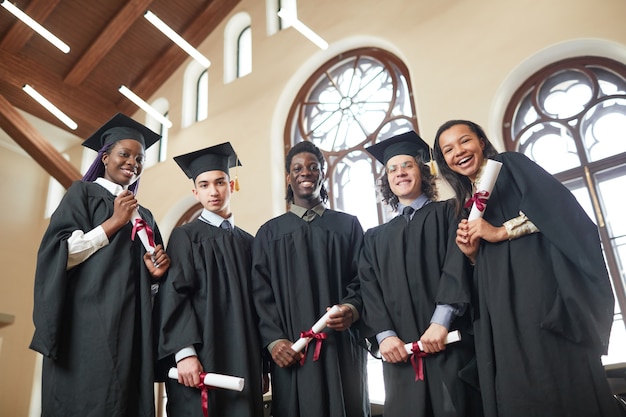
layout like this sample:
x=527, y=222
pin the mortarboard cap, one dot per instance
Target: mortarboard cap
x=121, y=127
x=408, y=143
x=214, y=158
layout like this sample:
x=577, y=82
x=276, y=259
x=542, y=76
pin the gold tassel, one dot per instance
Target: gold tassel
x=236, y=177
x=432, y=165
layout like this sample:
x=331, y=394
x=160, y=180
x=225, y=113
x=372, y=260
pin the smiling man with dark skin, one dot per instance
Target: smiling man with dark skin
x=304, y=262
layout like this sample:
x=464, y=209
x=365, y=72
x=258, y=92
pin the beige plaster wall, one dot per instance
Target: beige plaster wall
x=465, y=59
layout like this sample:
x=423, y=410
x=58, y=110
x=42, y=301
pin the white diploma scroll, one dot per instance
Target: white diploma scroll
x=143, y=236
x=317, y=327
x=453, y=336
x=232, y=383
x=487, y=181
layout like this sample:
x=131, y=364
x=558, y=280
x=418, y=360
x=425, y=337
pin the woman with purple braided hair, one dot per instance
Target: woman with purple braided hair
x=93, y=284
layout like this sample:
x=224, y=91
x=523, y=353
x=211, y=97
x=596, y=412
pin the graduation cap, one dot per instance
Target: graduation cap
x=214, y=158
x=408, y=143
x=121, y=127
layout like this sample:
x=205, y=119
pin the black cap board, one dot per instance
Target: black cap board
x=214, y=158
x=408, y=143
x=121, y=127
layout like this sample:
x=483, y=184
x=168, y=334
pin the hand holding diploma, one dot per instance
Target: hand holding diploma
x=315, y=333
x=478, y=202
x=232, y=383
x=315, y=329
x=212, y=381
x=155, y=258
x=341, y=319
x=141, y=229
x=417, y=353
x=453, y=336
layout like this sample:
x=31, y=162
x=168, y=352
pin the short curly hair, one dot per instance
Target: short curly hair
x=305, y=146
x=429, y=186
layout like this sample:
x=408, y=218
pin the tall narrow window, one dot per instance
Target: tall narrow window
x=244, y=52
x=195, y=105
x=202, y=96
x=237, y=47
x=157, y=152
x=570, y=118
x=55, y=193
x=274, y=23
x=354, y=100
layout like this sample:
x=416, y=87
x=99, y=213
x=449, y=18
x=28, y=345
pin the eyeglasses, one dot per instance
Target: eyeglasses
x=406, y=165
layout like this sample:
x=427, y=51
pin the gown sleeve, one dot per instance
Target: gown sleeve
x=586, y=295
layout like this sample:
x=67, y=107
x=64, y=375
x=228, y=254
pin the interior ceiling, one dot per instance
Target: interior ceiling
x=111, y=43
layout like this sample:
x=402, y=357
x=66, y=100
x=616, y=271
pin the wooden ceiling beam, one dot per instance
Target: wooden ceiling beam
x=20, y=33
x=205, y=22
x=92, y=111
x=106, y=41
x=22, y=132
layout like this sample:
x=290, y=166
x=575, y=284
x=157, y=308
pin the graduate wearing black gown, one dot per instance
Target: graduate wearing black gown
x=304, y=262
x=544, y=300
x=415, y=284
x=206, y=316
x=92, y=314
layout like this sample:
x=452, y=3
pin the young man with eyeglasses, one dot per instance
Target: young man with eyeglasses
x=415, y=285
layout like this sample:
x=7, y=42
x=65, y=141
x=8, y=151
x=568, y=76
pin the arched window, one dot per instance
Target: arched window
x=190, y=215
x=195, y=94
x=570, y=118
x=237, y=47
x=274, y=23
x=202, y=96
x=244, y=52
x=56, y=191
x=157, y=152
x=354, y=100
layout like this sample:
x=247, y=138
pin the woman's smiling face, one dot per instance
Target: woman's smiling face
x=462, y=150
x=124, y=162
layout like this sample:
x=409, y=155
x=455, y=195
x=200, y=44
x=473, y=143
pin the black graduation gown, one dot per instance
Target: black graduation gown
x=545, y=302
x=206, y=302
x=299, y=269
x=405, y=270
x=93, y=322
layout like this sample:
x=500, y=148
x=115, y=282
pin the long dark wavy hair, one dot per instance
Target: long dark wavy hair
x=305, y=146
x=429, y=187
x=461, y=184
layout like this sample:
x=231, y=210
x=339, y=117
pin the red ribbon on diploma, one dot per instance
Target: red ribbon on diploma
x=140, y=224
x=480, y=198
x=205, y=394
x=318, y=344
x=417, y=361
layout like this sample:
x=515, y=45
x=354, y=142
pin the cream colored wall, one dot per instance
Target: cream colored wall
x=23, y=189
x=465, y=58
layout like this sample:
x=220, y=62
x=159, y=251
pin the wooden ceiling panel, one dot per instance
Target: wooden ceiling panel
x=111, y=44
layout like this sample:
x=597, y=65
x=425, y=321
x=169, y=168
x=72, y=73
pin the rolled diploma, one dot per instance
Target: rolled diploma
x=232, y=383
x=317, y=327
x=487, y=181
x=453, y=336
x=143, y=236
